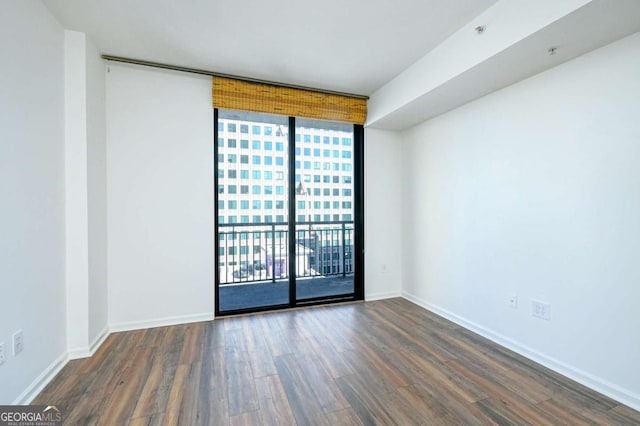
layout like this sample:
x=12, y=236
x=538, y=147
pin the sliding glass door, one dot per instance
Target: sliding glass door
x=324, y=209
x=287, y=200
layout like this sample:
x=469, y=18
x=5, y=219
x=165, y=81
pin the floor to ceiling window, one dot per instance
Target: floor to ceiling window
x=324, y=190
x=289, y=211
x=253, y=210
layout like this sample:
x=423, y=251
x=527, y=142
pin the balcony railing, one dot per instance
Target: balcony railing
x=259, y=252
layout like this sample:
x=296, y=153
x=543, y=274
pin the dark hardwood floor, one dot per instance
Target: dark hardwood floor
x=386, y=362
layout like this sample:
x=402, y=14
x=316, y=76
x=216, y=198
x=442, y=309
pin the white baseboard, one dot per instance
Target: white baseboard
x=382, y=295
x=161, y=322
x=79, y=353
x=87, y=351
x=99, y=340
x=611, y=390
x=42, y=380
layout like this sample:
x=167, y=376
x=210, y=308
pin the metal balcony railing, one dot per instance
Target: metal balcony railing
x=259, y=252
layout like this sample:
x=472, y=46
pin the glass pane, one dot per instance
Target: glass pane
x=324, y=209
x=252, y=209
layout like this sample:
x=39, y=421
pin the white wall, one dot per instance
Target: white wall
x=32, y=275
x=160, y=201
x=76, y=202
x=85, y=186
x=97, y=192
x=535, y=191
x=383, y=227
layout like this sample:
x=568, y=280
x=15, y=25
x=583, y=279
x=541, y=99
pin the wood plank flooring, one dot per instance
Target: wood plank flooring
x=387, y=362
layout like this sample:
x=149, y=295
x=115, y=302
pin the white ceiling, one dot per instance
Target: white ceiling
x=575, y=29
x=353, y=46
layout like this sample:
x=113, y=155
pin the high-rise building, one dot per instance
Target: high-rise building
x=253, y=173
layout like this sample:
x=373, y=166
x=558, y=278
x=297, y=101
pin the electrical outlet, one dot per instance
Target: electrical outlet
x=3, y=357
x=541, y=310
x=18, y=342
x=513, y=301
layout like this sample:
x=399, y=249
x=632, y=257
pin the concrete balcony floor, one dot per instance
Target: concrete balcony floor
x=269, y=293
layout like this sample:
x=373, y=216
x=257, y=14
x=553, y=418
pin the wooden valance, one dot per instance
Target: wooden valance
x=229, y=93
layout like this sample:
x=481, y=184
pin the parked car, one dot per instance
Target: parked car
x=251, y=269
x=241, y=273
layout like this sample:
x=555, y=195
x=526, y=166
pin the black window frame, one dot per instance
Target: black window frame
x=358, y=219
